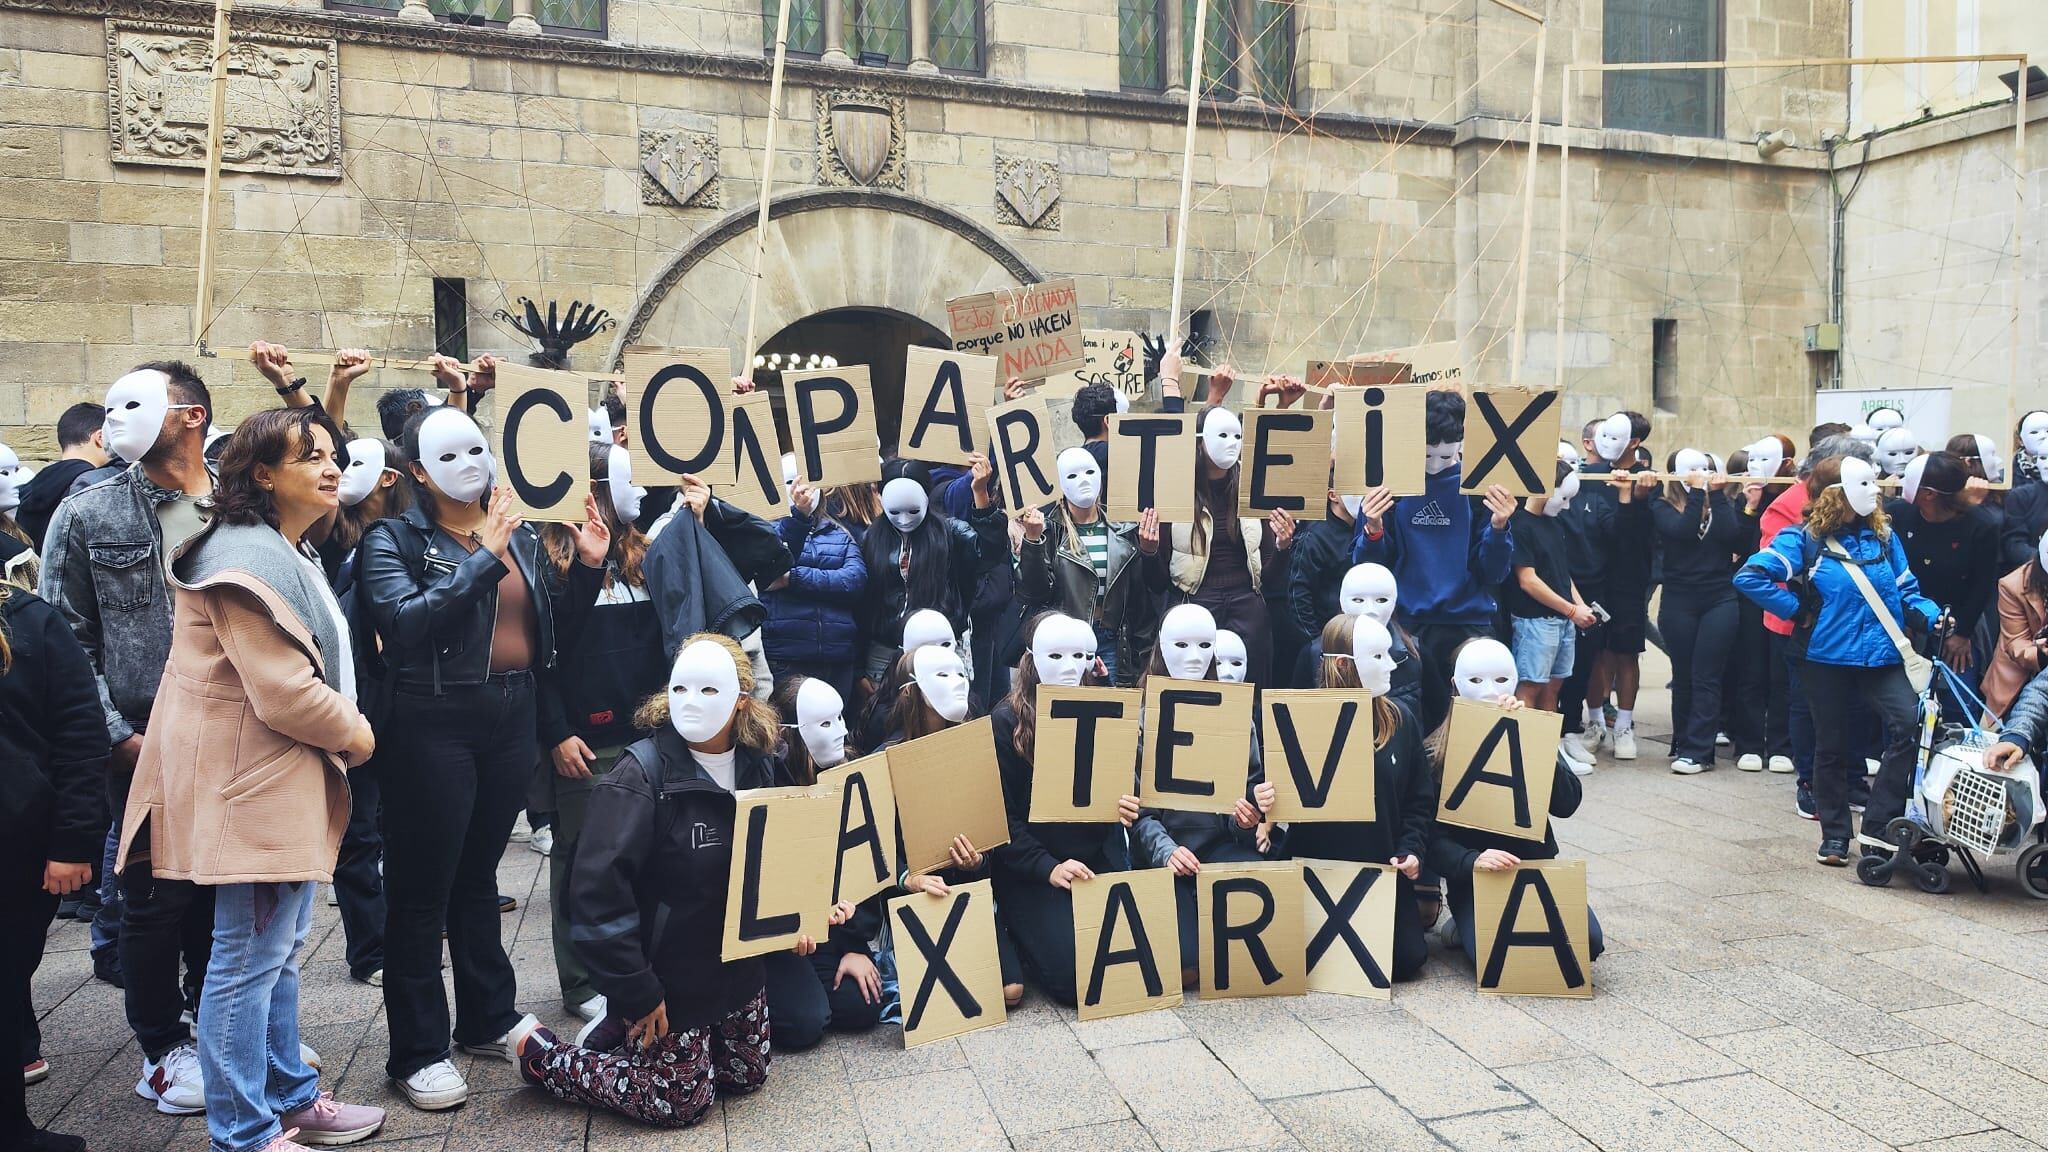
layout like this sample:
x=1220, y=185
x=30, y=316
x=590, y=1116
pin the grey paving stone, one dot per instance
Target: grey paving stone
x=1992, y=1141
x=1646, y=1049
x=541, y=1122
x=1846, y=1023
x=1040, y=1079
x=2009, y=1099
x=1521, y=1129
x=1422, y=1071
x=1186, y=1098
x=1270, y=1051
x=1763, y=1117
x=2012, y=951
x=1860, y=1091
x=806, y=1103
x=1946, y=968
x=1354, y=1119
x=614, y=1133
x=1989, y=1032
x=1122, y=1136
x=70, y=1074
x=1820, y=958
x=931, y=1110
x=1602, y=1104
x=1494, y=1030
x=879, y=1053
x=1142, y=1028
x=1677, y=999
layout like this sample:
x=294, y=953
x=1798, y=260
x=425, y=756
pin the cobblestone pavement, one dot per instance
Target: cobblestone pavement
x=1749, y=999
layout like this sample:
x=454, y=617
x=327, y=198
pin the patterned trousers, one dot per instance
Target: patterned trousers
x=671, y=1084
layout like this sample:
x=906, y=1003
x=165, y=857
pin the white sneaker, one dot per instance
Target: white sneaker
x=498, y=1047
x=1721, y=740
x=1625, y=744
x=591, y=1009
x=542, y=842
x=1578, y=768
x=1749, y=762
x=333, y=897
x=1574, y=748
x=1782, y=765
x=436, y=1087
x=1685, y=767
x=174, y=1082
x=1603, y=737
x=1870, y=767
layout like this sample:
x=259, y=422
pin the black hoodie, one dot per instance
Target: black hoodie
x=1453, y=849
x=1035, y=850
x=40, y=496
x=53, y=738
x=647, y=887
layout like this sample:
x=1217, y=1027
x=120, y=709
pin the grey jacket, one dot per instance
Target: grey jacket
x=103, y=569
x=2026, y=722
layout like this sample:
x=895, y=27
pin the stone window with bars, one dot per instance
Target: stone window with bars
x=1681, y=102
x=920, y=35
x=559, y=17
x=1249, y=53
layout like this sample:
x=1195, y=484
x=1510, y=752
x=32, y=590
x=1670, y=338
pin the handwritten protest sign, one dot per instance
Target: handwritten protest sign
x=949, y=972
x=756, y=483
x=1197, y=738
x=1033, y=331
x=675, y=411
x=1381, y=435
x=1021, y=448
x=1439, y=365
x=1286, y=463
x=780, y=883
x=1114, y=358
x=1087, y=742
x=1532, y=929
x=1319, y=754
x=1499, y=769
x=944, y=397
x=832, y=421
x=1511, y=440
x=867, y=828
x=1350, y=927
x=1152, y=465
x=1250, y=924
x=543, y=442
x=1126, y=943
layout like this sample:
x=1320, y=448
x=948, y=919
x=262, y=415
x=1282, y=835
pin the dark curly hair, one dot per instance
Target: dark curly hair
x=269, y=438
x=1091, y=405
x=1445, y=417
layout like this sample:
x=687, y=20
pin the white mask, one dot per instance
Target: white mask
x=1895, y=448
x=1766, y=456
x=1859, y=484
x=365, y=469
x=600, y=426
x=10, y=463
x=1885, y=419
x=618, y=474
x=1372, y=653
x=943, y=680
x=453, y=452
x=821, y=721
x=2034, y=433
x=1080, y=477
x=789, y=470
x=1369, y=590
x=10, y=492
x=1223, y=438
x=1688, y=461
x=1187, y=641
x=1485, y=671
x=2041, y=551
x=1864, y=434
x=136, y=407
x=1611, y=438
x=1987, y=455
x=703, y=690
x=1561, y=496
x=1351, y=505
x=1123, y=404
x=1232, y=662
x=1062, y=650
x=1909, y=480
x=1566, y=450
x=1440, y=458
x=905, y=503
x=927, y=627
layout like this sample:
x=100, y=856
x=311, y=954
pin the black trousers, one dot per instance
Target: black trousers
x=455, y=770
x=802, y=1003
x=358, y=885
x=1185, y=904
x=1698, y=627
x=1832, y=691
x=1437, y=644
x=1754, y=709
x=1571, y=700
x=27, y=911
x=1039, y=919
x=164, y=919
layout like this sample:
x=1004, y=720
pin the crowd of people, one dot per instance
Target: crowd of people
x=236, y=666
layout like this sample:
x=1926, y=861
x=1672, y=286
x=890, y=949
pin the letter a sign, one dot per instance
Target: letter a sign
x=1499, y=768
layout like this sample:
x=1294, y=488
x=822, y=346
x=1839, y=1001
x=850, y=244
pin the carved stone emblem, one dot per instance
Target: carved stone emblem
x=679, y=168
x=1027, y=192
x=283, y=109
x=860, y=138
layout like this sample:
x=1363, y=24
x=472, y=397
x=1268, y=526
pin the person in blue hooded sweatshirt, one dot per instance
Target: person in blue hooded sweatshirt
x=1448, y=551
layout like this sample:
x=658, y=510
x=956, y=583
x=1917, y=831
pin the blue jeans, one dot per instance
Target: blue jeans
x=249, y=1014
x=1105, y=650
x=1544, y=648
x=106, y=924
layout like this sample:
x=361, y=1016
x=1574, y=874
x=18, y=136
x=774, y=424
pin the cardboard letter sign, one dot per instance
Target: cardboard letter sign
x=1532, y=931
x=946, y=964
x=1126, y=943
x=1511, y=440
x=1114, y=358
x=1287, y=463
x=1381, y=433
x=1350, y=927
x=1499, y=768
x=1033, y=331
x=944, y=396
x=543, y=442
x=1198, y=739
x=1250, y=922
x=1152, y=465
x=780, y=884
x=947, y=784
x=1086, y=748
x=675, y=406
x=1319, y=754
x=832, y=421
x=1022, y=451
x=1439, y=365
x=866, y=860
x=756, y=484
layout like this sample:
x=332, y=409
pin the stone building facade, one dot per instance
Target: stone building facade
x=396, y=179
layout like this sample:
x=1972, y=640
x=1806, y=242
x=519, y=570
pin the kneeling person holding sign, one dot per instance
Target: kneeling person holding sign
x=1486, y=673
x=648, y=907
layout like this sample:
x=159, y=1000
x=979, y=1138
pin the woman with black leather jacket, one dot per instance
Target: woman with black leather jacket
x=1075, y=561
x=467, y=612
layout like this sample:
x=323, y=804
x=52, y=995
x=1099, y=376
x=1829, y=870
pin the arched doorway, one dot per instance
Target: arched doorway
x=875, y=337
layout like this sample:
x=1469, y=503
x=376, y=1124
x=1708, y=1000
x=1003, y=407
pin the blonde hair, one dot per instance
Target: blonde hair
x=1829, y=512
x=1341, y=671
x=755, y=723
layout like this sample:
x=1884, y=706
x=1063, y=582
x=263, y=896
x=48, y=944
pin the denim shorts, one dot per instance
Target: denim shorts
x=1544, y=648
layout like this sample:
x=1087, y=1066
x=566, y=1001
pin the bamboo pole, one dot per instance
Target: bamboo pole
x=209, y=194
x=1564, y=216
x=1187, y=171
x=2019, y=245
x=1528, y=209
x=767, y=184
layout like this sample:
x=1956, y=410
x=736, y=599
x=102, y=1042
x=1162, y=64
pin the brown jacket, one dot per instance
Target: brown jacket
x=240, y=780
x=2017, y=656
